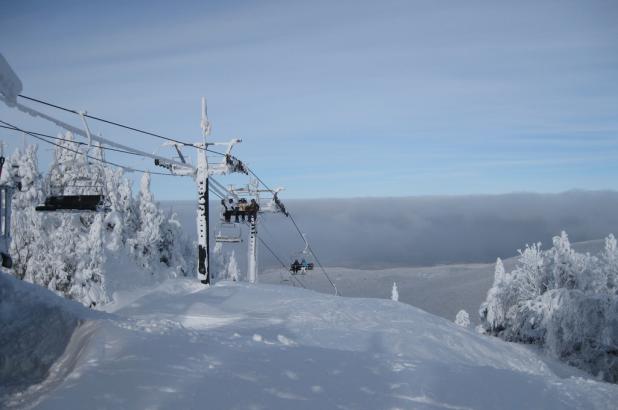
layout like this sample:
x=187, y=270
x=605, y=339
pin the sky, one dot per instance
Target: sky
x=339, y=98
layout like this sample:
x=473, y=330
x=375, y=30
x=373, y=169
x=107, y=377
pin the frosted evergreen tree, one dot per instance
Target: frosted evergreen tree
x=499, y=272
x=493, y=311
x=395, y=292
x=123, y=220
x=231, y=270
x=70, y=255
x=173, y=247
x=88, y=285
x=530, y=275
x=22, y=169
x=145, y=245
x=55, y=263
x=462, y=319
x=610, y=258
x=67, y=252
x=219, y=263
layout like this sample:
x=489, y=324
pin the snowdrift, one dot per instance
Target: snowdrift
x=35, y=327
x=237, y=346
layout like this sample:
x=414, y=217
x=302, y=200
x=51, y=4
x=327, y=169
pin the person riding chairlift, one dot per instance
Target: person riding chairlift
x=304, y=265
x=232, y=208
x=225, y=213
x=242, y=208
x=295, y=266
x=252, y=210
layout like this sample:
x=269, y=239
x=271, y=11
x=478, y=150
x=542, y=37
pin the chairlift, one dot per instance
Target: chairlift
x=228, y=232
x=303, y=266
x=85, y=192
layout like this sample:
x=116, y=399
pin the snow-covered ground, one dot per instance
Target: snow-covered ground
x=442, y=290
x=234, y=346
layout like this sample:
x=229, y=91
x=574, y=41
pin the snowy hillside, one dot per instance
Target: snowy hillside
x=442, y=290
x=238, y=346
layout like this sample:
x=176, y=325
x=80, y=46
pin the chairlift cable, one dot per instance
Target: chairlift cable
x=260, y=180
x=280, y=261
x=144, y=171
x=73, y=142
x=300, y=233
x=216, y=152
x=126, y=168
x=285, y=267
x=268, y=232
x=152, y=134
x=314, y=255
x=215, y=192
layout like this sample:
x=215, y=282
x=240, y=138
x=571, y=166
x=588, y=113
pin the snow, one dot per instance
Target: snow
x=395, y=293
x=36, y=325
x=83, y=256
x=10, y=84
x=562, y=300
x=442, y=290
x=462, y=319
x=236, y=345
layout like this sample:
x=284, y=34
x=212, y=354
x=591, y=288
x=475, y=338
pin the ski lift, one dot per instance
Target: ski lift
x=228, y=232
x=82, y=193
x=300, y=267
x=303, y=266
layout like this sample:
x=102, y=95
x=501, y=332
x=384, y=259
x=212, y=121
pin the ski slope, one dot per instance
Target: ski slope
x=238, y=346
x=442, y=290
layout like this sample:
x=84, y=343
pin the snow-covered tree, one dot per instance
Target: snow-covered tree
x=494, y=309
x=395, y=292
x=145, y=244
x=231, y=271
x=67, y=252
x=122, y=222
x=462, y=319
x=562, y=300
x=218, y=261
x=174, y=250
x=609, y=272
x=88, y=285
x=21, y=169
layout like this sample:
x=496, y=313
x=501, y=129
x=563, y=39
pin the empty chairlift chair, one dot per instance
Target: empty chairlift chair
x=228, y=232
x=71, y=191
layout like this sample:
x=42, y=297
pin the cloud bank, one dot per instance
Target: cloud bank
x=423, y=231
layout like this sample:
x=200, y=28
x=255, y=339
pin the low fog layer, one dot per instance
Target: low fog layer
x=424, y=231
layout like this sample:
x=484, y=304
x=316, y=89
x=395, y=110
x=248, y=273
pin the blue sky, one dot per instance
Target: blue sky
x=342, y=99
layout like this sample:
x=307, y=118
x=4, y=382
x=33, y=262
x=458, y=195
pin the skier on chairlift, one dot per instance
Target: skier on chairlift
x=232, y=209
x=304, y=265
x=252, y=210
x=225, y=212
x=242, y=208
x=295, y=266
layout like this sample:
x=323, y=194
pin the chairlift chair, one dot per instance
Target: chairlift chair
x=83, y=193
x=228, y=232
x=299, y=267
